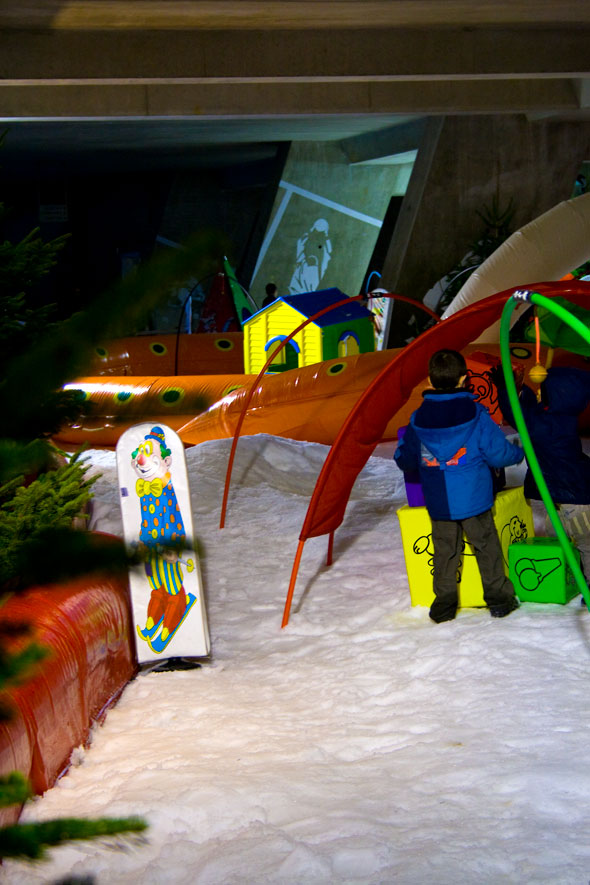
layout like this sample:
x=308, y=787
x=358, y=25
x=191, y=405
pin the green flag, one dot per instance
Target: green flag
x=244, y=305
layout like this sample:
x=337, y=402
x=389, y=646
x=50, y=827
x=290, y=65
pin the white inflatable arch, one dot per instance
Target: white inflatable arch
x=544, y=250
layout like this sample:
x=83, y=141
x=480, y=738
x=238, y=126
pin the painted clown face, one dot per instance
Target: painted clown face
x=148, y=462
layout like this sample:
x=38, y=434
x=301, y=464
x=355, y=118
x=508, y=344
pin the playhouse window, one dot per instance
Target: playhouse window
x=348, y=344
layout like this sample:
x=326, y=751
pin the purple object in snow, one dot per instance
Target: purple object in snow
x=412, y=480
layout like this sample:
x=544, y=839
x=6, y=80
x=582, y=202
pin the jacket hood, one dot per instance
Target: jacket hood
x=566, y=390
x=444, y=442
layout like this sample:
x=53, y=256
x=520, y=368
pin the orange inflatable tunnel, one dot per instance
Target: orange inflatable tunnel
x=152, y=353
x=115, y=403
x=86, y=625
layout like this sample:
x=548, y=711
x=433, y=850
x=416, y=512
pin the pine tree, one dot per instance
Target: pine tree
x=39, y=500
x=496, y=230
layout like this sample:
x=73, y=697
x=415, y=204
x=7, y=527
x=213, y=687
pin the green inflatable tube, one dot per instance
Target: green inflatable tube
x=580, y=328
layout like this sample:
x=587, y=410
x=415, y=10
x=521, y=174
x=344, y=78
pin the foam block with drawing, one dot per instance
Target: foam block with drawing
x=514, y=522
x=540, y=572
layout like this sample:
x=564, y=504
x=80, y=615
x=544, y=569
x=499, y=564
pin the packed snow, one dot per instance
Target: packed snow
x=361, y=744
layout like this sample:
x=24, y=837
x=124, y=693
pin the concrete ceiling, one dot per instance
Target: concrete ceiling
x=155, y=83
x=80, y=145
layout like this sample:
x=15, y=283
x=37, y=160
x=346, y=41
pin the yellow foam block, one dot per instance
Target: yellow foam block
x=513, y=518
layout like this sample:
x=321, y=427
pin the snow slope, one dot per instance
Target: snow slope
x=363, y=744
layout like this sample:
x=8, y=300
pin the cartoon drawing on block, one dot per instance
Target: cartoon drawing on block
x=423, y=544
x=512, y=532
x=157, y=522
x=532, y=572
x=314, y=250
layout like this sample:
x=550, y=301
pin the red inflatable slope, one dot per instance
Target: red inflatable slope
x=86, y=624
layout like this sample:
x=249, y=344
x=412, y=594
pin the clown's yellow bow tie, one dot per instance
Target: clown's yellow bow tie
x=145, y=487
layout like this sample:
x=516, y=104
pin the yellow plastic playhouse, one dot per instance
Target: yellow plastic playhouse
x=346, y=330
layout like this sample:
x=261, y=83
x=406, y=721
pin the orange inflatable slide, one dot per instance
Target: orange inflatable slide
x=308, y=404
x=195, y=384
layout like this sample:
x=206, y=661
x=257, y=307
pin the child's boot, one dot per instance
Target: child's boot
x=500, y=611
x=443, y=609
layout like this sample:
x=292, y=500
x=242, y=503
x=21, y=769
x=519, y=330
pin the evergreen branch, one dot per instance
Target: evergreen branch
x=55, y=555
x=14, y=789
x=16, y=667
x=23, y=264
x=17, y=458
x=65, y=354
x=36, y=357
x=31, y=517
x=31, y=840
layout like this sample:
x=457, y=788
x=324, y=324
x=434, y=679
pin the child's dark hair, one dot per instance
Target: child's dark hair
x=445, y=368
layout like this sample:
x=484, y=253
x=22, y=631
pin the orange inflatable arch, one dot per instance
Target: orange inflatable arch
x=385, y=396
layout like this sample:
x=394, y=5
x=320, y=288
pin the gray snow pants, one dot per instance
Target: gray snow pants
x=447, y=539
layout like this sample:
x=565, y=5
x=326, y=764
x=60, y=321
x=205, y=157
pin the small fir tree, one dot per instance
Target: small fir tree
x=497, y=228
x=39, y=500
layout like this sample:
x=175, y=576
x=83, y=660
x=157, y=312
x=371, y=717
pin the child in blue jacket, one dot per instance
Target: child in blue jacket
x=452, y=441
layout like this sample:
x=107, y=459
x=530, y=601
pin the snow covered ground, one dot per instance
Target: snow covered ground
x=362, y=744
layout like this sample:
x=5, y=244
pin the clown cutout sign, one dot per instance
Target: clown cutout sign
x=166, y=590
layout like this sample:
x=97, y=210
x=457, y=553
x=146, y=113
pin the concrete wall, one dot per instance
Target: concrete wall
x=465, y=163
x=227, y=199
x=325, y=221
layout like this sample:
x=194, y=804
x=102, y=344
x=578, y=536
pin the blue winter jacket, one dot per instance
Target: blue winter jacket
x=452, y=441
x=553, y=428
